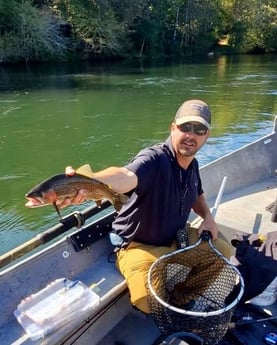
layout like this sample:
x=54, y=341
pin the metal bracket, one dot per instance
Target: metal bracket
x=92, y=232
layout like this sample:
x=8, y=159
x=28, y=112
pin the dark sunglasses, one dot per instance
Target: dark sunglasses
x=193, y=128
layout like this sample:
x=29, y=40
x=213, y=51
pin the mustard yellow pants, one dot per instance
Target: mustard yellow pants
x=134, y=263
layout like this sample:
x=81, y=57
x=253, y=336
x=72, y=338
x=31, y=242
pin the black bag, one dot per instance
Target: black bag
x=257, y=270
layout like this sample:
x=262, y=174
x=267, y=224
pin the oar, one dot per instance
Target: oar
x=66, y=223
x=219, y=196
x=196, y=222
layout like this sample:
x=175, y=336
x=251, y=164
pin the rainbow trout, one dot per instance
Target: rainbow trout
x=61, y=186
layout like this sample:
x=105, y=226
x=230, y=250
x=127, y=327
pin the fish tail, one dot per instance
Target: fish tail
x=117, y=205
x=119, y=201
x=123, y=198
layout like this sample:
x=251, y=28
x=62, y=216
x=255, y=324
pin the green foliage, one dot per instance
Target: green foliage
x=95, y=25
x=170, y=27
x=254, y=26
x=28, y=34
x=30, y=30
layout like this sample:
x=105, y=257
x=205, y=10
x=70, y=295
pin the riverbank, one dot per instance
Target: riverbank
x=61, y=31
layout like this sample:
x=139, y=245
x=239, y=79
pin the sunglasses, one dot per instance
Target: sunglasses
x=198, y=129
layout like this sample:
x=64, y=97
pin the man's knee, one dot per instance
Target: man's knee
x=134, y=264
x=221, y=244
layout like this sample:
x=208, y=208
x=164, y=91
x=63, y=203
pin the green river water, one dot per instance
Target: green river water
x=58, y=115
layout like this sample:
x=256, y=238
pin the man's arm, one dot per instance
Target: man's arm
x=202, y=209
x=120, y=179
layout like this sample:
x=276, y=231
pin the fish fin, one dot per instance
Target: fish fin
x=119, y=201
x=57, y=209
x=123, y=198
x=85, y=170
x=98, y=203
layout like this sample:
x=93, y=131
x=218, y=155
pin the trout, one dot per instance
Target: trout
x=61, y=186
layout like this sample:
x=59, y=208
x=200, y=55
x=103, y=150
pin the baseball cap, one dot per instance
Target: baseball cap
x=193, y=110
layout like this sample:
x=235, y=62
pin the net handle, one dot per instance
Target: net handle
x=206, y=235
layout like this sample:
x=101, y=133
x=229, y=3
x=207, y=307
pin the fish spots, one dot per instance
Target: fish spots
x=50, y=196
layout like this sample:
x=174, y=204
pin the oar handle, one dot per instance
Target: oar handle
x=66, y=223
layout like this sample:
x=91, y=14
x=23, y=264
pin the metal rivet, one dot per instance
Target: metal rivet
x=66, y=254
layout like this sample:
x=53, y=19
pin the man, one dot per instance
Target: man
x=163, y=185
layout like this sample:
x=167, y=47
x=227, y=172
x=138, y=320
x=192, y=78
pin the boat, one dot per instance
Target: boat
x=78, y=249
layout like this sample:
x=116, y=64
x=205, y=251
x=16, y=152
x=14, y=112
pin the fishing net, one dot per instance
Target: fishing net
x=195, y=290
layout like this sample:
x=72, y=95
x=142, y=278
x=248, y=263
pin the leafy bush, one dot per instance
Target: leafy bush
x=95, y=26
x=32, y=34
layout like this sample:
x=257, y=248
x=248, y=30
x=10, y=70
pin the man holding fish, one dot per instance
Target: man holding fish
x=163, y=185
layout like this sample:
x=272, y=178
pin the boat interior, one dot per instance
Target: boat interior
x=86, y=254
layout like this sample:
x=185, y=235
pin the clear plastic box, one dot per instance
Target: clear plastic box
x=54, y=306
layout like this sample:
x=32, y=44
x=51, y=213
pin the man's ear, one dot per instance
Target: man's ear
x=173, y=126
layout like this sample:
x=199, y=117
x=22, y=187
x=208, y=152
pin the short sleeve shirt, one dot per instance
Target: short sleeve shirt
x=162, y=200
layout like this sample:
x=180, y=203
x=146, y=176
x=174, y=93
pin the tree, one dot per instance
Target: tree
x=94, y=25
x=254, y=26
x=29, y=34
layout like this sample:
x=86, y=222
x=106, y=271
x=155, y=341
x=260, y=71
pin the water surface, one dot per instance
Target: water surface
x=58, y=115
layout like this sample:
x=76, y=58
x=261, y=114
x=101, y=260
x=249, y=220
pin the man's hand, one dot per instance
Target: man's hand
x=202, y=209
x=210, y=225
x=269, y=247
x=79, y=198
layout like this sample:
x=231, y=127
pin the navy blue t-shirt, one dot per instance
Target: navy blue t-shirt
x=162, y=200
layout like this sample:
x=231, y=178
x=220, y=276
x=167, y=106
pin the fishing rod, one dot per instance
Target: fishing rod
x=75, y=219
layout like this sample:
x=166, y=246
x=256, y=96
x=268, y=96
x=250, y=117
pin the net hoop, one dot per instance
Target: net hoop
x=196, y=313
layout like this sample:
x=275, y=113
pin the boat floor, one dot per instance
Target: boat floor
x=135, y=328
x=246, y=211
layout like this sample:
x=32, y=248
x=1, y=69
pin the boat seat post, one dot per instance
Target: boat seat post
x=274, y=212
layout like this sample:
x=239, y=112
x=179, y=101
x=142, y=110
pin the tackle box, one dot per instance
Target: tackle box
x=54, y=306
